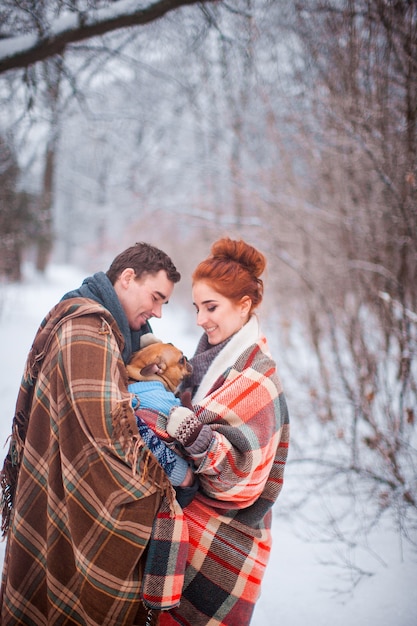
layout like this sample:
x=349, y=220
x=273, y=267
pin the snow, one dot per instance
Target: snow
x=299, y=588
x=16, y=45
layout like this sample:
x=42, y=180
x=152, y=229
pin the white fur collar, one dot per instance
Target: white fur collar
x=244, y=338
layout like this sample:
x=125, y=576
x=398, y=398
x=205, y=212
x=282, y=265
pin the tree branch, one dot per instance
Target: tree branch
x=24, y=50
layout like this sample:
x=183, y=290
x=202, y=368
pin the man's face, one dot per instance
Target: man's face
x=142, y=298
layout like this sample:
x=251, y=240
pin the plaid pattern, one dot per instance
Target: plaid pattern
x=242, y=472
x=157, y=421
x=80, y=497
x=166, y=559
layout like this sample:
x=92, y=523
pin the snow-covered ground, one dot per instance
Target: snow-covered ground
x=298, y=588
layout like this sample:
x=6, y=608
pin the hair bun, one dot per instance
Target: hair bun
x=233, y=269
x=240, y=252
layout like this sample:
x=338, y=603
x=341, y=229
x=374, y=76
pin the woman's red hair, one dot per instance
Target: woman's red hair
x=233, y=269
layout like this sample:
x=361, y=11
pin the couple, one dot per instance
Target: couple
x=95, y=535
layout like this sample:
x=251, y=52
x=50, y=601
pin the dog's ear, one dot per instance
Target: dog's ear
x=149, y=370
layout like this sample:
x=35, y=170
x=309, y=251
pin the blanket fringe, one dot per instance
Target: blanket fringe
x=32, y=366
x=152, y=618
x=10, y=471
x=137, y=454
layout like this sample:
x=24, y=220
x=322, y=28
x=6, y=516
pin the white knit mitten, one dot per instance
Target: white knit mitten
x=183, y=425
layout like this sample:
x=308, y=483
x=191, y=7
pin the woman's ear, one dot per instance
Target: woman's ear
x=245, y=306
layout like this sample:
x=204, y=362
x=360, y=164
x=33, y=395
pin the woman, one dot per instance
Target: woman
x=236, y=433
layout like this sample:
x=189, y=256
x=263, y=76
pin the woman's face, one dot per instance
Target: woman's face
x=219, y=317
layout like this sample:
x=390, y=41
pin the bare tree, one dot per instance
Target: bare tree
x=44, y=236
x=9, y=265
x=17, y=214
x=360, y=264
x=40, y=30
x=293, y=125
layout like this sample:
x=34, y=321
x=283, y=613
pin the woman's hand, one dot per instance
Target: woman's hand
x=183, y=425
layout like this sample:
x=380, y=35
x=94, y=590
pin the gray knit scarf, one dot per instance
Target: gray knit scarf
x=100, y=289
x=201, y=360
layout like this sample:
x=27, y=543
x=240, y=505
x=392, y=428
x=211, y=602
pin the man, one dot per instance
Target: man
x=80, y=491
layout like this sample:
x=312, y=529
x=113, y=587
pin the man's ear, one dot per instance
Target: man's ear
x=127, y=276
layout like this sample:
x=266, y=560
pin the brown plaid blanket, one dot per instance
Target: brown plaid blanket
x=83, y=501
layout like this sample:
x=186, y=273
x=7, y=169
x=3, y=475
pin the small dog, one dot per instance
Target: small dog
x=161, y=362
x=158, y=370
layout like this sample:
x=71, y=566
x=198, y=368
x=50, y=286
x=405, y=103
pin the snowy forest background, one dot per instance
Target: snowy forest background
x=291, y=124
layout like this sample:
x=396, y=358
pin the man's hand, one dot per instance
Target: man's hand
x=189, y=478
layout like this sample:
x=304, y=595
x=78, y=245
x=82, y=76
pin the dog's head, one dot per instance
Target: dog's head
x=160, y=361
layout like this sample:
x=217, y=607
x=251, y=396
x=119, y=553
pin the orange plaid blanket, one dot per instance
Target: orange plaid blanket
x=241, y=476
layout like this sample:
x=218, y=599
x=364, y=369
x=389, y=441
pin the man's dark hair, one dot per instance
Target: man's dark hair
x=143, y=259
